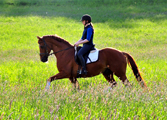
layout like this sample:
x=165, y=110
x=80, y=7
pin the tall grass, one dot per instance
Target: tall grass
x=137, y=28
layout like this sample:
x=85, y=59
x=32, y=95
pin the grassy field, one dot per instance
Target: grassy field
x=138, y=28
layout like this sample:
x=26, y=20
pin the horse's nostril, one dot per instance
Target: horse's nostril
x=44, y=59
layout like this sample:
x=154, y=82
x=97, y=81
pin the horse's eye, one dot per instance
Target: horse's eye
x=42, y=47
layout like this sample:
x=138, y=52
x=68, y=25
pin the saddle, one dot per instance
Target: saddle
x=90, y=57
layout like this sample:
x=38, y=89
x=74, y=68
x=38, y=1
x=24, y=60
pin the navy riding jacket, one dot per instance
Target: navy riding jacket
x=88, y=34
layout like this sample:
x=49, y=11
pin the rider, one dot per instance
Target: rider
x=86, y=40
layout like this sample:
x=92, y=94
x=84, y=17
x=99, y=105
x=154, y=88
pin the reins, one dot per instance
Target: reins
x=45, y=46
x=60, y=51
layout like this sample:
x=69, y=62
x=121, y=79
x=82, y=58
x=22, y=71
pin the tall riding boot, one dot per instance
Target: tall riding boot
x=82, y=60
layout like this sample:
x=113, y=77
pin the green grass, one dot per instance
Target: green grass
x=137, y=28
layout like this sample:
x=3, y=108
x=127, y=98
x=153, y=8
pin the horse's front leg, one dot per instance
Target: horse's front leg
x=60, y=75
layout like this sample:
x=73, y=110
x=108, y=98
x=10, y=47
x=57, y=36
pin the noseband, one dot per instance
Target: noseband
x=47, y=53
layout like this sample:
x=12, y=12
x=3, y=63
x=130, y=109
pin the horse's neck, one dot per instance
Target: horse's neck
x=60, y=49
x=64, y=57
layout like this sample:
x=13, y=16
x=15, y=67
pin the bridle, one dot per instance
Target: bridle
x=47, y=53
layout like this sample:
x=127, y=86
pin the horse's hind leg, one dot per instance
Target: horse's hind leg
x=108, y=74
x=123, y=78
x=75, y=83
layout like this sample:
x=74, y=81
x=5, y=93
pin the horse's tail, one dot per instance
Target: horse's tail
x=135, y=69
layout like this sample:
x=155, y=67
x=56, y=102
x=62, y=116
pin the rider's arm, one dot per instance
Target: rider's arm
x=80, y=40
x=83, y=41
x=88, y=37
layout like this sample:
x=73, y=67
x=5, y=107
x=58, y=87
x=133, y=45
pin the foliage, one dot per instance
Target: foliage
x=81, y=2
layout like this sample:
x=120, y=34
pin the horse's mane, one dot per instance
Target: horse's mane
x=58, y=38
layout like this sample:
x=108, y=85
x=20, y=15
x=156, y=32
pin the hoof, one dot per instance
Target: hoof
x=109, y=89
x=47, y=85
x=47, y=88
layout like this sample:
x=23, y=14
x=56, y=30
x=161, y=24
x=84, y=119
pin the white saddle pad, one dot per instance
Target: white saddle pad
x=93, y=56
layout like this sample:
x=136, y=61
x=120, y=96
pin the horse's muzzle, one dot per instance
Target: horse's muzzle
x=44, y=59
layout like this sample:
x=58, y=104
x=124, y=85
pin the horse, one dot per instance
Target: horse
x=111, y=62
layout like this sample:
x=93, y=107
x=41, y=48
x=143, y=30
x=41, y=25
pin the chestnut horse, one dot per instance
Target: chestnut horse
x=110, y=62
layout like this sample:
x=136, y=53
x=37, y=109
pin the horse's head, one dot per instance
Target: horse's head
x=45, y=48
x=51, y=42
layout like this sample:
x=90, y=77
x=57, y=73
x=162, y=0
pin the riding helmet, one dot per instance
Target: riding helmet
x=86, y=17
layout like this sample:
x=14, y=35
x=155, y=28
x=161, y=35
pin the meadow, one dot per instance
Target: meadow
x=138, y=28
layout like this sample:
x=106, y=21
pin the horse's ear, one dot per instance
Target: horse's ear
x=39, y=37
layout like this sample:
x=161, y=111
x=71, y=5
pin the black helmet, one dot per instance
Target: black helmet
x=86, y=17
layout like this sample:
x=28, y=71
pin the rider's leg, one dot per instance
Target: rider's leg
x=83, y=63
x=85, y=49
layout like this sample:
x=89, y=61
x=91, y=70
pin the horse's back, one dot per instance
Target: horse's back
x=110, y=49
x=113, y=55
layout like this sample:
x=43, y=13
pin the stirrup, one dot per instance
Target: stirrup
x=84, y=72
